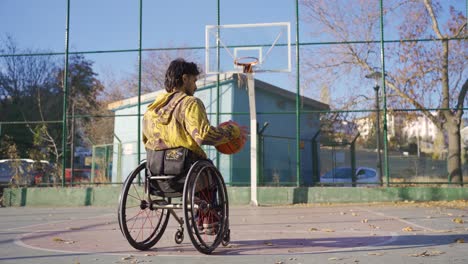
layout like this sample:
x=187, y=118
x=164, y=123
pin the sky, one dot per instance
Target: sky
x=114, y=24
x=98, y=25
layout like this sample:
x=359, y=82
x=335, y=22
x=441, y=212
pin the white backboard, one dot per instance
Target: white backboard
x=270, y=43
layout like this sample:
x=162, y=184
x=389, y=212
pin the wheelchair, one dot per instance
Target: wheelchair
x=144, y=209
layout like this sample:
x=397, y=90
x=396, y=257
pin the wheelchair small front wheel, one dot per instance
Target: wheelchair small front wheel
x=140, y=223
x=179, y=236
x=226, y=238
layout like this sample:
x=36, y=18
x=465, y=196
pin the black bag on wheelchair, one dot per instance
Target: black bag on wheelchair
x=174, y=163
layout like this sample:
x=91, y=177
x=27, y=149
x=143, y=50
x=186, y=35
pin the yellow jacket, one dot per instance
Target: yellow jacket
x=178, y=120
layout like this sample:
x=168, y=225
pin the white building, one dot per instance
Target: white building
x=366, y=124
x=422, y=127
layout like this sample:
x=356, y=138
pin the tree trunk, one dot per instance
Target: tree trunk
x=454, y=164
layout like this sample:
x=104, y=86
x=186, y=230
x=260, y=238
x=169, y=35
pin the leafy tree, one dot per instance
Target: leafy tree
x=84, y=90
x=421, y=74
x=31, y=89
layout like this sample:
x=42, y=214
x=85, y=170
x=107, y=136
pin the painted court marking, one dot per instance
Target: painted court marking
x=400, y=220
x=382, y=237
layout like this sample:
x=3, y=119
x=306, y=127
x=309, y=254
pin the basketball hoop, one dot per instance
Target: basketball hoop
x=246, y=63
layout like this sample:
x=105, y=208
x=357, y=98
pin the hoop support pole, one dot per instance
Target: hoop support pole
x=253, y=139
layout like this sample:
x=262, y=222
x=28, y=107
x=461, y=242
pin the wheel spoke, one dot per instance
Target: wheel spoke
x=136, y=191
x=141, y=226
x=135, y=220
x=134, y=197
x=135, y=206
x=150, y=218
x=142, y=229
x=206, y=187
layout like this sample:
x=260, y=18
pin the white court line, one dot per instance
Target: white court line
x=400, y=220
x=56, y=222
x=18, y=241
x=393, y=238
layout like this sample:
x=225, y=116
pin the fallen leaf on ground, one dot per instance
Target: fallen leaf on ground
x=354, y=214
x=57, y=239
x=232, y=246
x=375, y=254
x=459, y=240
x=127, y=258
x=442, y=231
x=364, y=221
x=428, y=254
x=313, y=229
x=408, y=229
x=458, y=220
x=328, y=230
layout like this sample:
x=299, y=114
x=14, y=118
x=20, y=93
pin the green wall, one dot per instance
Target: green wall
x=109, y=196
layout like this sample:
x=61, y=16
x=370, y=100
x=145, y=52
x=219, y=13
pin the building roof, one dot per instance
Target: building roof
x=210, y=82
x=290, y=95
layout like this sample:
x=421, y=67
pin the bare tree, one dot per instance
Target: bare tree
x=153, y=69
x=421, y=74
x=28, y=94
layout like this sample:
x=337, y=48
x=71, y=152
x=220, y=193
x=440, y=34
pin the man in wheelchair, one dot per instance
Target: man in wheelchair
x=175, y=126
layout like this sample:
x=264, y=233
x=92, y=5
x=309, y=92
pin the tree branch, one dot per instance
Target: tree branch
x=435, y=24
x=460, y=30
x=415, y=103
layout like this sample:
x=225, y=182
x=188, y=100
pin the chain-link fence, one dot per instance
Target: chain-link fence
x=394, y=73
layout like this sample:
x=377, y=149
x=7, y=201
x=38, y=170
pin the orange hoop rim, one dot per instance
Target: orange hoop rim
x=250, y=63
x=246, y=65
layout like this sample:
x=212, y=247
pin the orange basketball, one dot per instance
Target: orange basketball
x=233, y=146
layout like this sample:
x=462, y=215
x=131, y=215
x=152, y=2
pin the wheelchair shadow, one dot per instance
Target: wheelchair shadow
x=337, y=244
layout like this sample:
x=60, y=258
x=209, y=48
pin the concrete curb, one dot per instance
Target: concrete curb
x=109, y=195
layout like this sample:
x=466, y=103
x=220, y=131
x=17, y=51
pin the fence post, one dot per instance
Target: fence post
x=93, y=162
x=315, y=162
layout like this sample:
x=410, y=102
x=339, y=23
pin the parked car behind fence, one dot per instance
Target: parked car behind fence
x=342, y=176
x=25, y=172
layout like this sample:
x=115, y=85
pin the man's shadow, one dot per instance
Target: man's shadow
x=337, y=244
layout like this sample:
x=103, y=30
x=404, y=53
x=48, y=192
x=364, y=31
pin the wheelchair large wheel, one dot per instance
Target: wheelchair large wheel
x=206, y=209
x=140, y=223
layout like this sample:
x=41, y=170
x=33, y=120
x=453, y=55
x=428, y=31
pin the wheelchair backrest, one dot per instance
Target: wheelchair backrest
x=169, y=162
